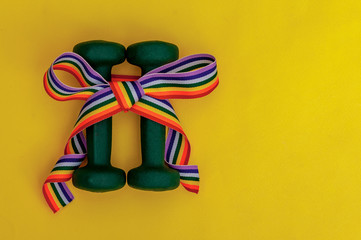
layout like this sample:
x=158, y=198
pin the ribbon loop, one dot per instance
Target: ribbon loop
x=90, y=80
x=189, y=77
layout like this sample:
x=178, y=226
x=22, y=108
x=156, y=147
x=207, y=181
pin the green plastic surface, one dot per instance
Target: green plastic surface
x=153, y=174
x=99, y=175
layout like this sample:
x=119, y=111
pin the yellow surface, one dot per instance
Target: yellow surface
x=278, y=143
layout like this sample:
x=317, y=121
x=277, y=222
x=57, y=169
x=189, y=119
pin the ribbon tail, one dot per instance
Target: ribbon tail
x=189, y=176
x=55, y=190
x=99, y=106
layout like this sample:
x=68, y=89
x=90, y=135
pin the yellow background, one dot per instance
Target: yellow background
x=277, y=143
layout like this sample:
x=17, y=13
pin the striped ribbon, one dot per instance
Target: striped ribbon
x=190, y=77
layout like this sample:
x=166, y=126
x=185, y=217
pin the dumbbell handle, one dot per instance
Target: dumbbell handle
x=99, y=142
x=152, y=137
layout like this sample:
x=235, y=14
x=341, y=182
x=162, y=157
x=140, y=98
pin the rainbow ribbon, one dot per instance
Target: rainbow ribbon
x=190, y=77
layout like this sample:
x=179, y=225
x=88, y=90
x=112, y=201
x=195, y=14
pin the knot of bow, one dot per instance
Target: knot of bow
x=190, y=77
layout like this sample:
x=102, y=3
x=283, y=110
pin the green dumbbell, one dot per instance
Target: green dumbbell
x=153, y=174
x=99, y=175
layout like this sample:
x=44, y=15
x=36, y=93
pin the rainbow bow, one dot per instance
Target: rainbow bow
x=190, y=77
